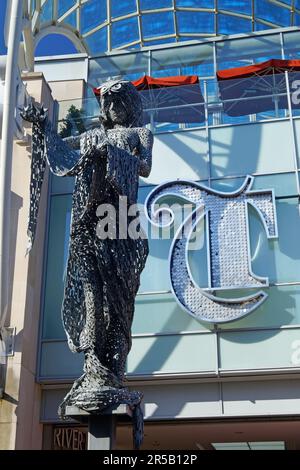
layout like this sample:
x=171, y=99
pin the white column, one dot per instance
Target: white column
x=9, y=102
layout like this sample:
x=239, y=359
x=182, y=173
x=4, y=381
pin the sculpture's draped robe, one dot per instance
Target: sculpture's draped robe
x=98, y=180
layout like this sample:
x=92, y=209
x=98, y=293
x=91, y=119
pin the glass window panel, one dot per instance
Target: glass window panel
x=155, y=42
x=47, y=11
x=247, y=51
x=232, y=24
x=124, y=32
x=259, y=26
x=184, y=60
x=64, y=6
x=157, y=24
x=71, y=20
x=297, y=4
x=239, y=6
x=58, y=242
x=297, y=19
x=33, y=6
x=153, y=4
x=268, y=11
x=197, y=22
x=97, y=41
x=57, y=361
x=196, y=3
x=118, y=64
x=291, y=45
x=124, y=7
x=92, y=14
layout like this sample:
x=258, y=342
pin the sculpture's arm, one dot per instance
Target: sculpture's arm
x=73, y=141
x=145, y=152
x=47, y=144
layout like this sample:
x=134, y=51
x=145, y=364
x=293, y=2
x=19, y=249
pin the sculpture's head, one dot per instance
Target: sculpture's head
x=121, y=104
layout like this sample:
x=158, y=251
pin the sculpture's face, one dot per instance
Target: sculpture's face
x=120, y=103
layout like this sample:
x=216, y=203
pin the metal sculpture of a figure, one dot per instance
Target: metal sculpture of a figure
x=103, y=275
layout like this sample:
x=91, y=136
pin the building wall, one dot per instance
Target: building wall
x=189, y=369
x=19, y=409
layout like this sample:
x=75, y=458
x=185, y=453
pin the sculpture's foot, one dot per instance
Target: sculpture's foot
x=93, y=396
x=87, y=395
x=98, y=388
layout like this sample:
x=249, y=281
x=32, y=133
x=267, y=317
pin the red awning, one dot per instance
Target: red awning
x=257, y=88
x=146, y=82
x=269, y=67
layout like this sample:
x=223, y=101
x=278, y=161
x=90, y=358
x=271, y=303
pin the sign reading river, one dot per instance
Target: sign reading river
x=227, y=238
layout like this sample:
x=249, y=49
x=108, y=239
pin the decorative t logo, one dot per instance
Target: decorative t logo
x=229, y=261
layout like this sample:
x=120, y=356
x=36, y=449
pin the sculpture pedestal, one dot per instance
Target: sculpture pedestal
x=101, y=427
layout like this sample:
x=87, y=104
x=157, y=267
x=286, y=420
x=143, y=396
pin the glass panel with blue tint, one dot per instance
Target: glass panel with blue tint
x=259, y=26
x=58, y=243
x=232, y=24
x=124, y=32
x=297, y=19
x=61, y=185
x=240, y=52
x=92, y=14
x=47, y=11
x=71, y=20
x=260, y=97
x=183, y=60
x=127, y=65
x=58, y=362
x=64, y=6
x=196, y=22
x=32, y=6
x=276, y=14
x=156, y=42
x=121, y=8
x=237, y=6
x=155, y=4
x=196, y=3
x=178, y=105
x=157, y=24
x=97, y=41
x=291, y=45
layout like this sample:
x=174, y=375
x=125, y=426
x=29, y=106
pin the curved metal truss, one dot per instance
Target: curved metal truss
x=96, y=26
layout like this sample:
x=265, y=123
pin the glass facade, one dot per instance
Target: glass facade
x=219, y=152
x=105, y=25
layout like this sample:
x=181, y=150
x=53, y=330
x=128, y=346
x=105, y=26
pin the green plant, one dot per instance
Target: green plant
x=73, y=121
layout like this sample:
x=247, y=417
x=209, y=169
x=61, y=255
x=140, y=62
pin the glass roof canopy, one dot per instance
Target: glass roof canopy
x=96, y=26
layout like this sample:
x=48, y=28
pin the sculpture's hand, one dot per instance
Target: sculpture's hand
x=35, y=114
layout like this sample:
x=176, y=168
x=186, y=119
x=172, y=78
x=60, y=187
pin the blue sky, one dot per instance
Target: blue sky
x=51, y=45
